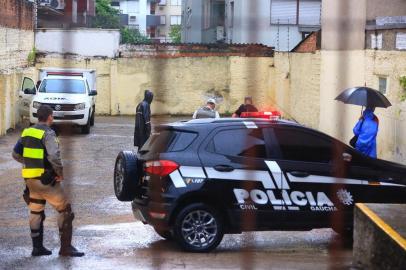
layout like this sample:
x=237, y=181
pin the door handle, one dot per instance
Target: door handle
x=223, y=168
x=299, y=174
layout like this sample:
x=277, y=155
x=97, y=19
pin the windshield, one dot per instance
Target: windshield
x=65, y=86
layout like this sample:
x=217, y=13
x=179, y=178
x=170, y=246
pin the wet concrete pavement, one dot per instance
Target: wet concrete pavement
x=106, y=230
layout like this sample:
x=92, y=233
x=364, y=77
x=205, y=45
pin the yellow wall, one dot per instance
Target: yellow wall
x=180, y=85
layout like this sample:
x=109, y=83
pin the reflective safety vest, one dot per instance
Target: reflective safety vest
x=205, y=112
x=33, y=153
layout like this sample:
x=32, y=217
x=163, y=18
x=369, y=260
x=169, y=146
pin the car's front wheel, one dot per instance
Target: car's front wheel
x=126, y=176
x=198, y=228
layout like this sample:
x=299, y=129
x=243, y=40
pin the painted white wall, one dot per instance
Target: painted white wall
x=85, y=42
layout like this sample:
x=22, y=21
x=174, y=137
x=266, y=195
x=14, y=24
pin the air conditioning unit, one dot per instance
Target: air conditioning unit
x=57, y=4
x=161, y=8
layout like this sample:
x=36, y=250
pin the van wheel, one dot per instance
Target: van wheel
x=126, y=176
x=92, y=118
x=164, y=233
x=198, y=228
x=86, y=128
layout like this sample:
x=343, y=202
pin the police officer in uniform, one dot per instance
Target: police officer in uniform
x=207, y=111
x=38, y=150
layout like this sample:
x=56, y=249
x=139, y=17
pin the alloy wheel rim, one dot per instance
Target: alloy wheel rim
x=199, y=228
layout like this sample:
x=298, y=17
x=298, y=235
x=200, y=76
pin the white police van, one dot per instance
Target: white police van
x=69, y=92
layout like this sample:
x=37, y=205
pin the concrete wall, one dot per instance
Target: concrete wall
x=16, y=42
x=377, y=8
x=99, y=42
x=343, y=24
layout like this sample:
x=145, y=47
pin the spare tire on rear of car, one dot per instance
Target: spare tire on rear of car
x=127, y=176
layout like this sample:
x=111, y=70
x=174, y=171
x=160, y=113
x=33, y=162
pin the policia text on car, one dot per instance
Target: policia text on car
x=38, y=151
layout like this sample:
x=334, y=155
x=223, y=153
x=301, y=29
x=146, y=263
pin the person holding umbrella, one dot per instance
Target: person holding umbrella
x=366, y=129
x=365, y=132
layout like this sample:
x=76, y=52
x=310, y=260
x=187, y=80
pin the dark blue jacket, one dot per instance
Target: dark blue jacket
x=366, y=129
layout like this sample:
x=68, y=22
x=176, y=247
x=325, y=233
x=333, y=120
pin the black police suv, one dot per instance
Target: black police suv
x=195, y=181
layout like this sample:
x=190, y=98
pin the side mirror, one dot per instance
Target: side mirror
x=29, y=91
x=347, y=157
x=93, y=93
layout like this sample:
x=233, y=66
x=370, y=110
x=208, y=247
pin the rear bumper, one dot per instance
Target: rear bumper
x=152, y=213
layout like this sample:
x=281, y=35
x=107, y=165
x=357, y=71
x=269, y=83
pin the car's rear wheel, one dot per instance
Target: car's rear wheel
x=198, y=228
x=126, y=176
x=166, y=234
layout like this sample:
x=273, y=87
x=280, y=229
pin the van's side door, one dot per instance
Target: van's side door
x=26, y=95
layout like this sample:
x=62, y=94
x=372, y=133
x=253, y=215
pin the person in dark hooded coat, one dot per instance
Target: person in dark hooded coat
x=142, y=129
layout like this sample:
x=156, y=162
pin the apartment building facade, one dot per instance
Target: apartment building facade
x=168, y=14
x=134, y=13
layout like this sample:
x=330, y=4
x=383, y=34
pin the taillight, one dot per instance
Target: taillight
x=160, y=167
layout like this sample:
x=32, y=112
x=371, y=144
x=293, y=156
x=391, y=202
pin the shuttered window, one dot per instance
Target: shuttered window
x=309, y=12
x=283, y=11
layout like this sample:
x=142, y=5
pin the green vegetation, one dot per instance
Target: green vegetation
x=402, y=81
x=32, y=56
x=132, y=36
x=106, y=16
x=175, y=33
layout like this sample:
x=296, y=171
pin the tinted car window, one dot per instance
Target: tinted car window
x=239, y=142
x=159, y=142
x=300, y=145
x=182, y=141
x=168, y=141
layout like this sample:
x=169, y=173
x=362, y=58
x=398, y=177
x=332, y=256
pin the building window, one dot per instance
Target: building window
x=162, y=3
x=133, y=19
x=284, y=12
x=401, y=41
x=309, y=12
x=296, y=12
x=115, y=4
x=176, y=19
x=383, y=84
x=376, y=41
x=176, y=2
x=163, y=20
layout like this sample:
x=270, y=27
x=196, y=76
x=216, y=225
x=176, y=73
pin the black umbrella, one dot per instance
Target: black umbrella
x=364, y=96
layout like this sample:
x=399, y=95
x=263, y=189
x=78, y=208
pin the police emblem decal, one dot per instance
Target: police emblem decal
x=345, y=197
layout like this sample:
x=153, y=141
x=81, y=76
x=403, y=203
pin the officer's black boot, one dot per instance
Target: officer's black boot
x=66, y=238
x=37, y=245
